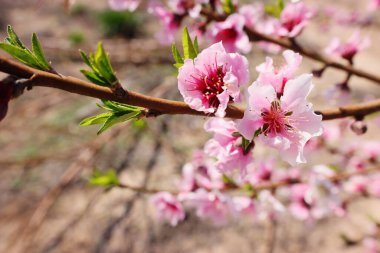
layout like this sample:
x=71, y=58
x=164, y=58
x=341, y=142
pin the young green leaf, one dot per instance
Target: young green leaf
x=106, y=179
x=97, y=119
x=35, y=58
x=228, y=6
x=38, y=52
x=188, y=46
x=116, y=119
x=101, y=70
x=20, y=54
x=176, y=55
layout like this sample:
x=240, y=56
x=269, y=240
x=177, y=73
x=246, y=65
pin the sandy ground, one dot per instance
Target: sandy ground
x=46, y=204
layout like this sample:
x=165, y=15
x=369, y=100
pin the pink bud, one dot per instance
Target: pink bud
x=359, y=127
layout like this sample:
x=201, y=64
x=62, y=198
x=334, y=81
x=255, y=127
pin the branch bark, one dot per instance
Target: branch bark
x=154, y=106
x=158, y=105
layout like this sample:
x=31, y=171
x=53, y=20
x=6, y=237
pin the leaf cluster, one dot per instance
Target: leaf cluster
x=275, y=9
x=190, y=49
x=34, y=58
x=115, y=113
x=101, y=72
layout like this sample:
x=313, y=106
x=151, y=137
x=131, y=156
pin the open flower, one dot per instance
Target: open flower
x=168, y=208
x=231, y=33
x=213, y=79
x=278, y=77
x=349, y=49
x=121, y=5
x=226, y=147
x=285, y=123
x=293, y=19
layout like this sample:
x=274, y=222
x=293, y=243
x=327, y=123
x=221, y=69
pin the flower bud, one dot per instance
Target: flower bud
x=359, y=127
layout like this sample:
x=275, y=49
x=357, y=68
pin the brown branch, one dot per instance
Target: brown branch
x=271, y=186
x=288, y=44
x=155, y=106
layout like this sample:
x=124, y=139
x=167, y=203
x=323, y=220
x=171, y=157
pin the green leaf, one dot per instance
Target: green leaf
x=20, y=54
x=101, y=70
x=188, y=46
x=13, y=39
x=196, y=46
x=247, y=145
x=92, y=77
x=17, y=49
x=97, y=119
x=280, y=5
x=106, y=179
x=275, y=10
x=116, y=119
x=228, y=6
x=176, y=55
x=38, y=52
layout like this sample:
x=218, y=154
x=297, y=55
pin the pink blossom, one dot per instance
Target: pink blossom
x=262, y=171
x=371, y=150
x=210, y=81
x=357, y=184
x=168, y=208
x=171, y=23
x=374, y=186
x=226, y=147
x=209, y=205
x=298, y=207
x=373, y=5
x=231, y=33
x=371, y=245
x=120, y=5
x=182, y=7
x=268, y=74
x=285, y=123
x=294, y=18
x=200, y=173
x=252, y=13
x=349, y=49
x=243, y=205
x=268, y=206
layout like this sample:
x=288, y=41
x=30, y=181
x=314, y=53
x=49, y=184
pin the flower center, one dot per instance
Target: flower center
x=275, y=120
x=212, y=85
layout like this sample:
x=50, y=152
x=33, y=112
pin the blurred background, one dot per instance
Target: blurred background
x=46, y=204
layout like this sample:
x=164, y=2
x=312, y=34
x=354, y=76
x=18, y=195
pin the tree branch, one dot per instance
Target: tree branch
x=155, y=106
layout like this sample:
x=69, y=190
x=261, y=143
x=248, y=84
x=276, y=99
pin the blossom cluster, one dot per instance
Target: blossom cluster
x=226, y=179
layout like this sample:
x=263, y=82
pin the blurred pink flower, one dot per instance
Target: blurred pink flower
x=210, y=81
x=350, y=48
x=373, y=5
x=208, y=205
x=182, y=7
x=279, y=77
x=200, y=173
x=226, y=147
x=294, y=18
x=374, y=186
x=120, y=5
x=171, y=23
x=298, y=207
x=286, y=123
x=371, y=245
x=168, y=208
x=243, y=205
x=231, y=33
x=252, y=13
x=356, y=184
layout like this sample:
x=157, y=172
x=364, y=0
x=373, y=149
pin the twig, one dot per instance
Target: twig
x=270, y=239
x=155, y=106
